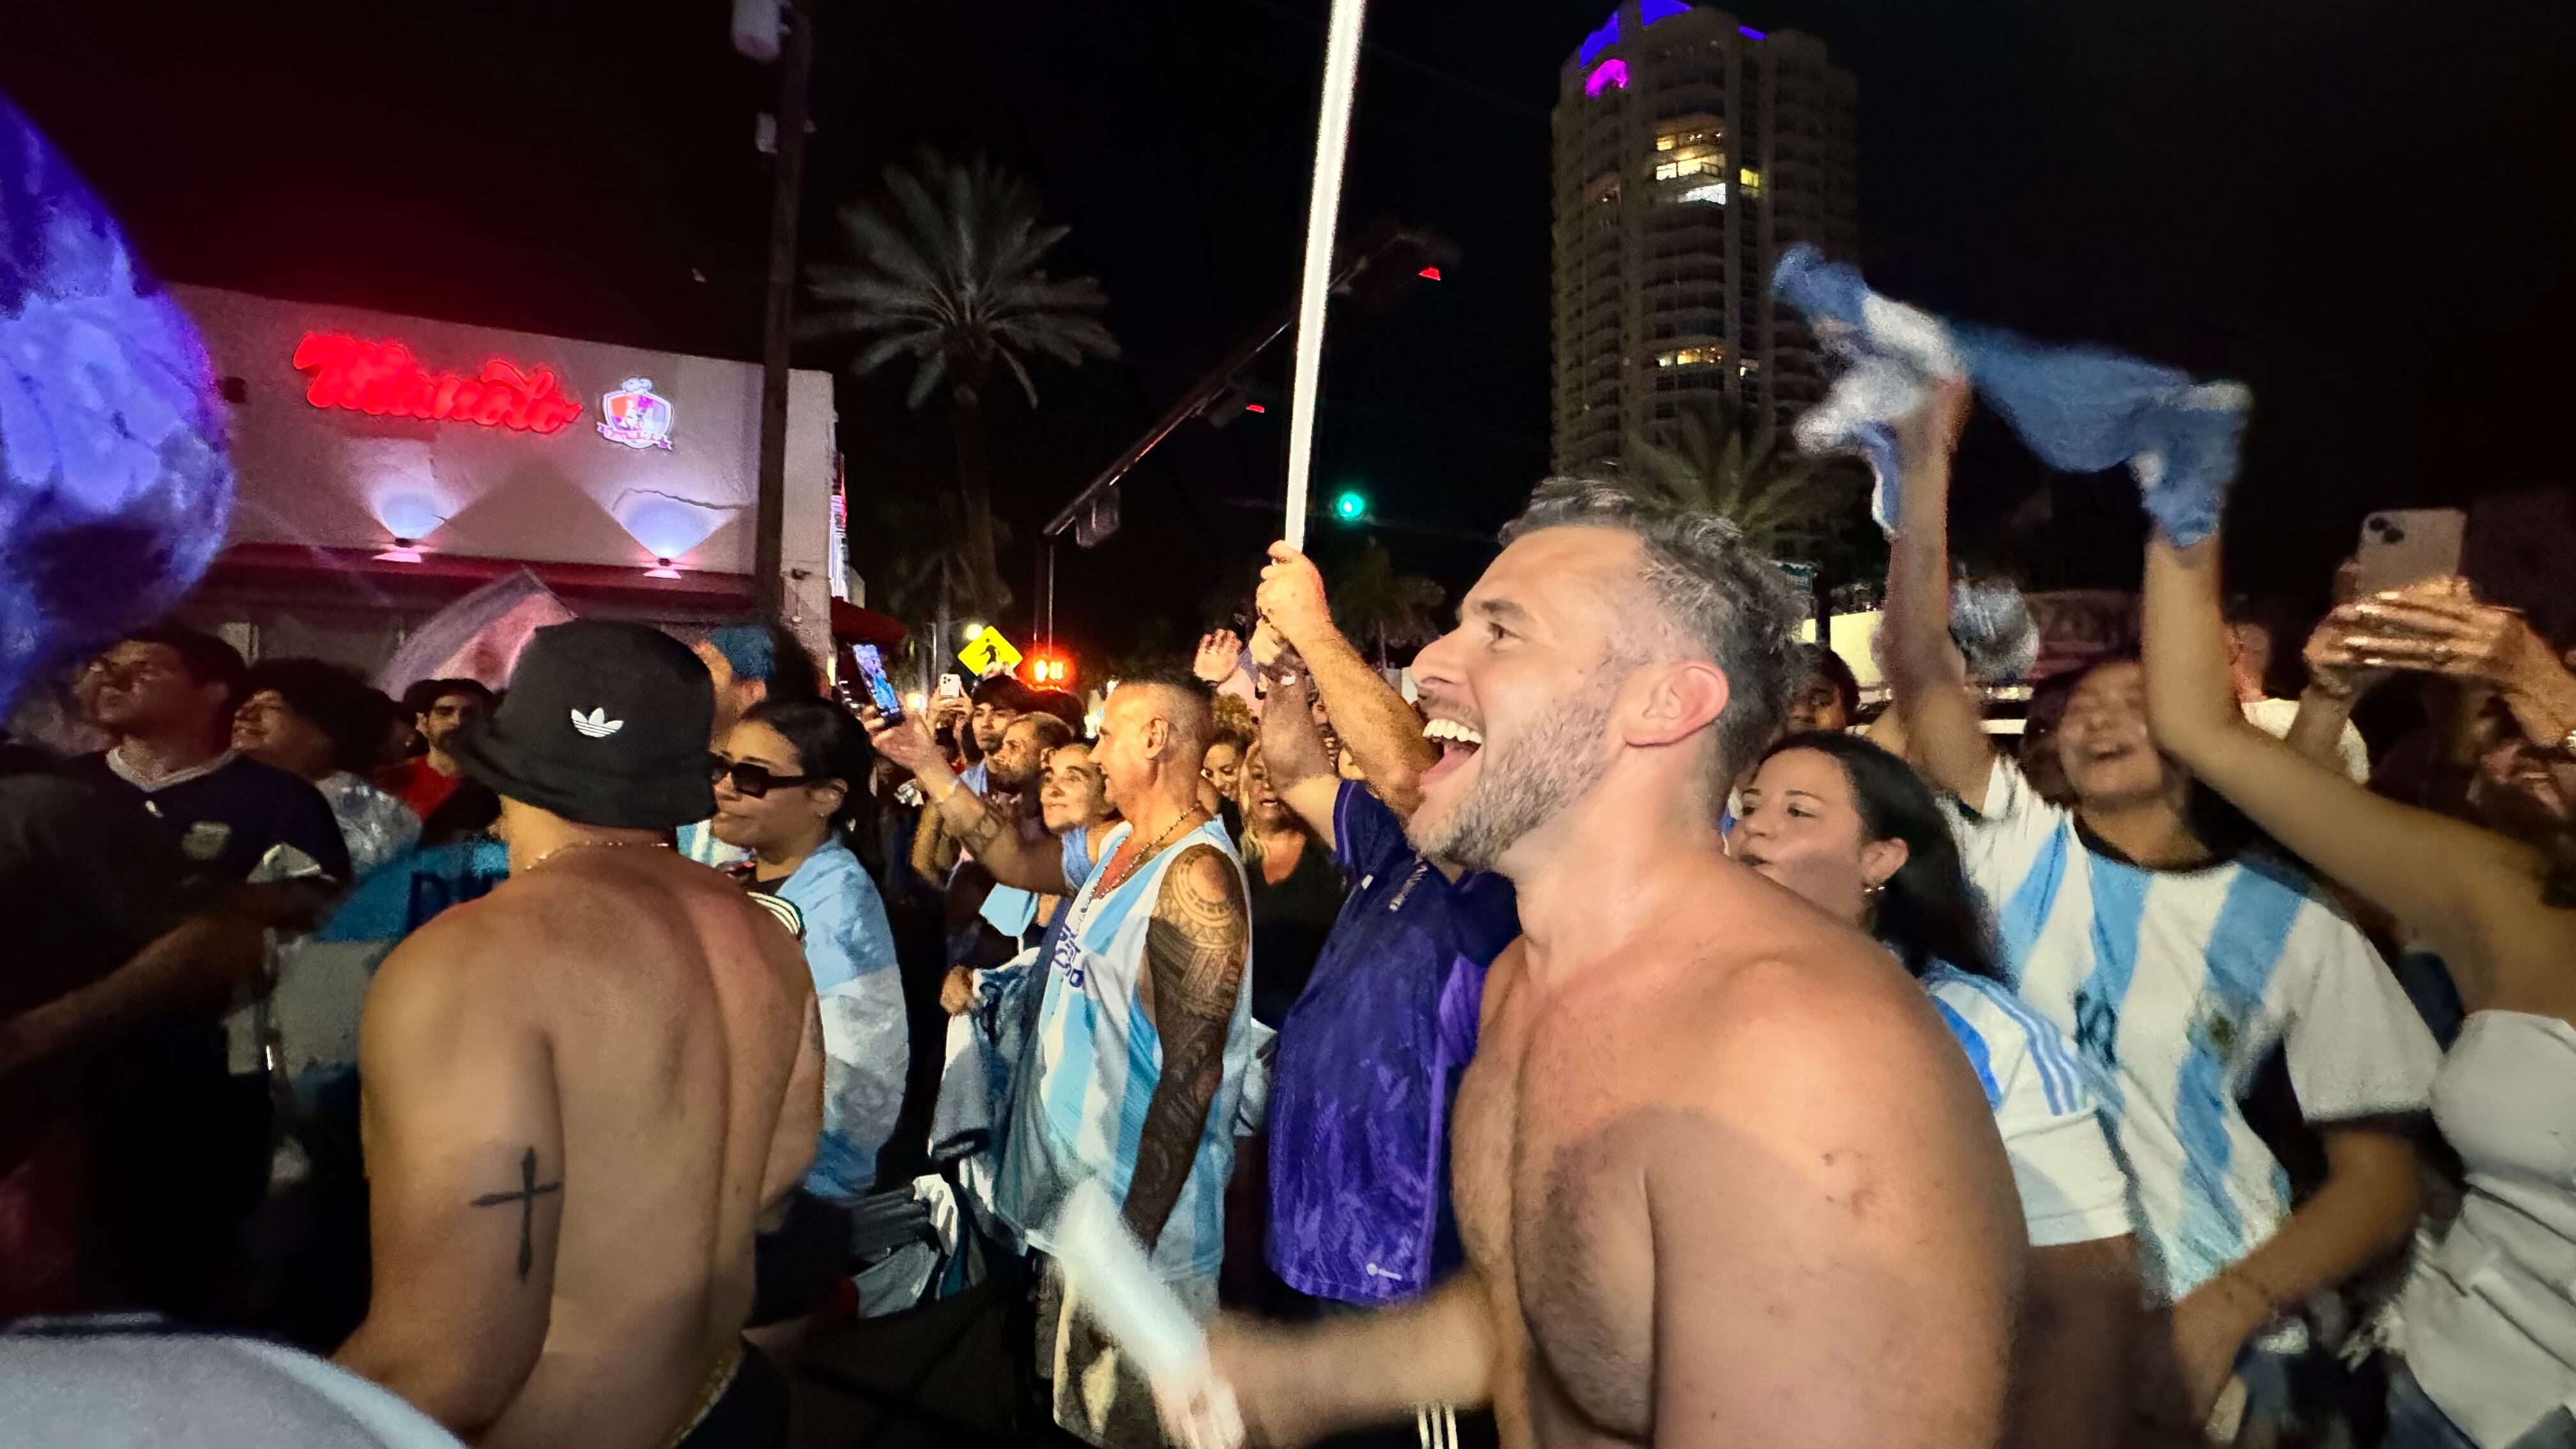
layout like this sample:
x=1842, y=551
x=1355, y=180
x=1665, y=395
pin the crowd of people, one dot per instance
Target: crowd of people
x=1605, y=1031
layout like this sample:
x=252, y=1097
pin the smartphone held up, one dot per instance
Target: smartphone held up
x=880, y=689
x=2403, y=546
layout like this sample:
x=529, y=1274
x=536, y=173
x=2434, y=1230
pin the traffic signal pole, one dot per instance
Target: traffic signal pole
x=1395, y=244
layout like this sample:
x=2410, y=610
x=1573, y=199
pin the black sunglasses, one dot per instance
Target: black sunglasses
x=749, y=779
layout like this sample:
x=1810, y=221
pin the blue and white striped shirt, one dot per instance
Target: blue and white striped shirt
x=2175, y=986
x=1089, y=1072
x=867, y=1046
x=2071, y=1189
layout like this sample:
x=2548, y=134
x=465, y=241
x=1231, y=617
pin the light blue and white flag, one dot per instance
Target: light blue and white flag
x=2081, y=409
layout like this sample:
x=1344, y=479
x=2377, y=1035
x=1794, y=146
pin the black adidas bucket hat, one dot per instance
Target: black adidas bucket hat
x=604, y=724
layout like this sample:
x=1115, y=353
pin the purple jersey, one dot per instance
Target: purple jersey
x=1367, y=1062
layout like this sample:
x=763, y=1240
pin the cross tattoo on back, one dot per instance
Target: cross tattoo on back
x=526, y=1197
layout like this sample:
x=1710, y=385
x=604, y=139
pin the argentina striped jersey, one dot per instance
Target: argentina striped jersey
x=1089, y=1071
x=2175, y=986
x=2071, y=1190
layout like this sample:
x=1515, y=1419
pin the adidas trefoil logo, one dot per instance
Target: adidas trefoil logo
x=596, y=724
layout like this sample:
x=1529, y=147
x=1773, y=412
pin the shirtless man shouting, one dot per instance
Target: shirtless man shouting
x=584, y=1090
x=1721, y=1177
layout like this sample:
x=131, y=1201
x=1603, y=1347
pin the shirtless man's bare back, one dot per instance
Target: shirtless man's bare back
x=583, y=1091
x=1721, y=1176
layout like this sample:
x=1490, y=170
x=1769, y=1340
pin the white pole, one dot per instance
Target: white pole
x=1323, y=209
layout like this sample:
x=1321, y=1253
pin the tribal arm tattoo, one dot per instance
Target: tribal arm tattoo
x=1194, y=952
x=994, y=839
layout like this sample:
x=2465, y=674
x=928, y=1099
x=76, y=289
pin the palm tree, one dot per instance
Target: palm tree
x=918, y=555
x=945, y=271
x=914, y=553
x=1721, y=459
x=1380, y=609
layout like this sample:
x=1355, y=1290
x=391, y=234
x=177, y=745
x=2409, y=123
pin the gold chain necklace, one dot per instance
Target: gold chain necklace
x=1135, y=863
x=595, y=845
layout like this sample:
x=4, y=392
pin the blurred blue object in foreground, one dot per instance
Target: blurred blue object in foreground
x=114, y=483
x=2081, y=409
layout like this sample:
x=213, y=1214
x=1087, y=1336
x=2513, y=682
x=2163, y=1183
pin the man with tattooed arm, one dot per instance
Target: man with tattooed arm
x=585, y=1090
x=1145, y=1016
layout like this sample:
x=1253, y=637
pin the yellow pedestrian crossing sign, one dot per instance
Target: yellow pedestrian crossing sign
x=988, y=652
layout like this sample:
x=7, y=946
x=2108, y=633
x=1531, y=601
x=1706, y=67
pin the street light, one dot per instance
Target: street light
x=973, y=629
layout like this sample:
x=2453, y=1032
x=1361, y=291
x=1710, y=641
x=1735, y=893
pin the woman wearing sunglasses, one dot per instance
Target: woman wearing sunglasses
x=784, y=792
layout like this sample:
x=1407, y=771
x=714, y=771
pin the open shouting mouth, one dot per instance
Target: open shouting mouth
x=1458, y=742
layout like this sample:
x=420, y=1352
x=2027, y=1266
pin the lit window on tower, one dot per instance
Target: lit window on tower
x=1683, y=154
x=1713, y=194
x=1705, y=356
x=1751, y=181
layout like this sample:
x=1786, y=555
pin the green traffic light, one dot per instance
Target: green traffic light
x=1349, y=506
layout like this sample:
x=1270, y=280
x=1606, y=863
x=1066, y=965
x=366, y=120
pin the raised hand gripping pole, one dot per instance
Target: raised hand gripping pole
x=1323, y=211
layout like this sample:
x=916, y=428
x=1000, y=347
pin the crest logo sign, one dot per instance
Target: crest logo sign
x=636, y=415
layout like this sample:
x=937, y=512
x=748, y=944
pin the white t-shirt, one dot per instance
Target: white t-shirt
x=2071, y=1190
x=2175, y=985
x=2275, y=716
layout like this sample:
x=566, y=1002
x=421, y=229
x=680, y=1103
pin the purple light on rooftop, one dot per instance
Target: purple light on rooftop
x=1609, y=73
x=1650, y=11
x=1749, y=33
x=1599, y=40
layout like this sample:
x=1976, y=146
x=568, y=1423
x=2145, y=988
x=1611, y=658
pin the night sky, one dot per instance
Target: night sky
x=2358, y=207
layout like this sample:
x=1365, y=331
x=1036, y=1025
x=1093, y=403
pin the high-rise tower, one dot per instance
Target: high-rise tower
x=1691, y=150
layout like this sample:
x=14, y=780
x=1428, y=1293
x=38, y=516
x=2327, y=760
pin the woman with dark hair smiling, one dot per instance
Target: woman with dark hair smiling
x=1852, y=829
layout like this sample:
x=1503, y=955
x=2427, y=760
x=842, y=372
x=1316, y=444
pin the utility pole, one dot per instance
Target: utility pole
x=787, y=177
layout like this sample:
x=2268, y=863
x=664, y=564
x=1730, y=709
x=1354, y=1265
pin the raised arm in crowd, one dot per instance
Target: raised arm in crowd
x=2114, y=915
x=1298, y=643
x=966, y=817
x=2488, y=1335
x=2475, y=896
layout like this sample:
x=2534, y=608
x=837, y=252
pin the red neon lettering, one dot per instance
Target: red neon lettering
x=380, y=378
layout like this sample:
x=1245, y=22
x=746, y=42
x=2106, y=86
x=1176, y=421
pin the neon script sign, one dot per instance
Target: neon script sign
x=381, y=379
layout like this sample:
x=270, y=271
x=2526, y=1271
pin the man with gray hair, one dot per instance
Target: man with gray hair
x=1721, y=1176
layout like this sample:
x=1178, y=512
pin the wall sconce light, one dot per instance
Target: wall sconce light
x=662, y=569
x=405, y=550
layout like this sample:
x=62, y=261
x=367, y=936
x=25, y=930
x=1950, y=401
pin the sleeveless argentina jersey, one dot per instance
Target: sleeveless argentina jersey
x=2175, y=986
x=1089, y=1070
